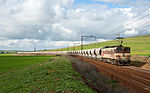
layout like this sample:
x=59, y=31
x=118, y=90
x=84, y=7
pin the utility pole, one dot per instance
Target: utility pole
x=85, y=37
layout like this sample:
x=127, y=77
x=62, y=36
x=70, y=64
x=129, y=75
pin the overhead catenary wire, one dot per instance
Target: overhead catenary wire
x=117, y=30
x=137, y=19
x=142, y=12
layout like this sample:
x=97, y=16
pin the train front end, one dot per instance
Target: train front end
x=122, y=55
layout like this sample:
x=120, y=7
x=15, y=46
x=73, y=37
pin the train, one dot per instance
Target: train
x=117, y=55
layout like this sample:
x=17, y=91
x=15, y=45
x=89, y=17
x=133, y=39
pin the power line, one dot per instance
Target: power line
x=121, y=26
x=137, y=19
x=142, y=12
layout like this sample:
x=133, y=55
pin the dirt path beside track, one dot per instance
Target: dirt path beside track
x=135, y=79
x=93, y=78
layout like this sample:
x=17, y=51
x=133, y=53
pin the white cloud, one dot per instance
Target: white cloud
x=127, y=11
x=49, y=23
x=131, y=32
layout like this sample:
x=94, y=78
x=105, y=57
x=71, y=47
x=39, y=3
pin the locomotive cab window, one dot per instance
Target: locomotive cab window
x=127, y=50
x=119, y=49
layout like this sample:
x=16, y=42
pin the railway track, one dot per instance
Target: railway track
x=135, y=79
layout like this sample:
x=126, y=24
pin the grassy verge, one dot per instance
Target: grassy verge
x=6, y=54
x=49, y=77
x=11, y=63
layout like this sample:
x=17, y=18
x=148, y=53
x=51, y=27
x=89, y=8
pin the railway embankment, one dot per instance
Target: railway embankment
x=95, y=79
x=135, y=79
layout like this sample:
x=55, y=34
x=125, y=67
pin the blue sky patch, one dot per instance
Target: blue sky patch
x=110, y=5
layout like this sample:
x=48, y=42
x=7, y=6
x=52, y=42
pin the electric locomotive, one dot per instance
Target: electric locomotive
x=117, y=55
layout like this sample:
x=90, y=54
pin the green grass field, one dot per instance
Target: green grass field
x=6, y=54
x=139, y=45
x=12, y=63
x=54, y=76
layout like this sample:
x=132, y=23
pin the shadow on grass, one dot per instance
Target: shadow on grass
x=137, y=63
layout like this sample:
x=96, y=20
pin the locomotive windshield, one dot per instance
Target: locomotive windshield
x=127, y=50
x=123, y=49
x=119, y=49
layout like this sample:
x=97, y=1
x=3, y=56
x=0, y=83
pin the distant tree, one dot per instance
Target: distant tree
x=2, y=52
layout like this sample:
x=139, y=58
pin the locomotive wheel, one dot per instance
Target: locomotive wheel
x=115, y=62
x=111, y=61
x=124, y=64
x=119, y=63
x=102, y=60
x=107, y=61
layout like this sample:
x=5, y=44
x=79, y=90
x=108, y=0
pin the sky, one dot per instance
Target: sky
x=51, y=24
